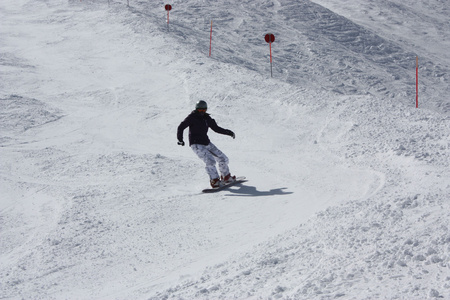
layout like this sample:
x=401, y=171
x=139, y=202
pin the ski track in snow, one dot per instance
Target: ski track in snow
x=348, y=183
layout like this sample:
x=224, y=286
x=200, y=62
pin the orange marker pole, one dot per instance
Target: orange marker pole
x=270, y=47
x=417, y=81
x=210, y=40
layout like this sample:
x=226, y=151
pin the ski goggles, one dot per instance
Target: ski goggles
x=201, y=109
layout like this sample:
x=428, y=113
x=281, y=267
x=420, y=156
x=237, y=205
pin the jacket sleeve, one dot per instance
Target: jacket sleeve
x=213, y=125
x=183, y=125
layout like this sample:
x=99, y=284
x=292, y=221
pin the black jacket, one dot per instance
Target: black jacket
x=198, y=128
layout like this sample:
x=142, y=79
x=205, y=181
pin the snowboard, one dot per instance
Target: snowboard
x=220, y=188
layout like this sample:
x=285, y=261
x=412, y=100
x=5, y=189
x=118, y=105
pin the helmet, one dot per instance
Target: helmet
x=201, y=105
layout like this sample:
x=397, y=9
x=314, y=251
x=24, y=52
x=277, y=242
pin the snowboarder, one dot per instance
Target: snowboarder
x=198, y=122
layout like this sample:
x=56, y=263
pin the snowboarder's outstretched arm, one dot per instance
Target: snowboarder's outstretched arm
x=213, y=125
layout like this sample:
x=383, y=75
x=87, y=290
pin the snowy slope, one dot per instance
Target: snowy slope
x=317, y=47
x=348, y=191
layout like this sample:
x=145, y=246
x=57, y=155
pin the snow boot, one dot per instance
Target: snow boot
x=215, y=183
x=228, y=179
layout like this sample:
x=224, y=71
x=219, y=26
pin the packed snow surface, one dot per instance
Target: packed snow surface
x=348, y=192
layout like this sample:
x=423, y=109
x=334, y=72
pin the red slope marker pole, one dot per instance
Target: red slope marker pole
x=210, y=40
x=270, y=49
x=417, y=82
x=168, y=7
x=270, y=38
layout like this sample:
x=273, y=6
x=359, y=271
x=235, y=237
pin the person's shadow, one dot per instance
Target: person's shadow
x=251, y=191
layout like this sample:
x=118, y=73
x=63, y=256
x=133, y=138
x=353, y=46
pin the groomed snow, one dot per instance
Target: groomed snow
x=349, y=184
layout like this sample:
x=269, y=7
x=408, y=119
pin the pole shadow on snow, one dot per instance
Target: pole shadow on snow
x=252, y=191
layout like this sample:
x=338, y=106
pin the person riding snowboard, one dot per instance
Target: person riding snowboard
x=198, y=122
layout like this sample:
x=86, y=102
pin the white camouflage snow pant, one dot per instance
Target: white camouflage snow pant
x=210, y=154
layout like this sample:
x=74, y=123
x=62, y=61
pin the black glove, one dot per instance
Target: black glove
x=231, y=133
x=181, y=143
